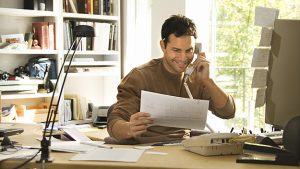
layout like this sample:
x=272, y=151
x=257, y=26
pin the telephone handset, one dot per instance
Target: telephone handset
x=189, y=70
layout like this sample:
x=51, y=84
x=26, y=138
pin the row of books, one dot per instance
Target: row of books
x=41, y=37
x=44, y=33
x=92, y=7
x=20, y=86
x=105, y=36
x=75, y=108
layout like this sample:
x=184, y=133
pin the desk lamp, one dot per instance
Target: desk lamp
x=78, y=32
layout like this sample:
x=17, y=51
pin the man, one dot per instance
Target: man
x=165, y=75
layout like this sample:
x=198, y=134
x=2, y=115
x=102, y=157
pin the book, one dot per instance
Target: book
x=82, y=6
x=89, y=4
x=101, y=39
x=31, y=4
x=96, y=7
x=72, y=6
x=89, y=40
x=21, y=87
x=28, y=38
x=51, y=35
x=44, y=32
x=41, y=33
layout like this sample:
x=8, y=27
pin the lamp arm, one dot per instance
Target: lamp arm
x=53, y=109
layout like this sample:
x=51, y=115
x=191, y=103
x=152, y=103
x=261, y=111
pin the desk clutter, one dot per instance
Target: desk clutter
x=82, y=148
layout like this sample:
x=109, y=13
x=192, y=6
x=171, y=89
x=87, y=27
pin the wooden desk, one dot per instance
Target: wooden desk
x=176, y=157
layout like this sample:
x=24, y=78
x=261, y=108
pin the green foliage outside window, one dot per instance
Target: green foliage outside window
x=236, y=38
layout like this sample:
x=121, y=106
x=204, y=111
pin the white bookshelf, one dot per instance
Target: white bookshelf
x=25, y=13
x=104, y=83
x=28, y=52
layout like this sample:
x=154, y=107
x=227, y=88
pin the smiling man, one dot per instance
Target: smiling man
x=127, y=125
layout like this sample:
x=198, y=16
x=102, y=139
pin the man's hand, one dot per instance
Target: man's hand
x=202, y=67
x=138, y=124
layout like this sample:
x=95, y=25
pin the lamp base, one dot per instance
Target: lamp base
x=49, y=160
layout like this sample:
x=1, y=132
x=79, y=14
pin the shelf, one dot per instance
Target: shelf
x=25, y=96
x=93, y=52
x=28, y=51
x=93, y=74
x=94, y=63
x=25, y=12
x=90, y=17
x=19, y=82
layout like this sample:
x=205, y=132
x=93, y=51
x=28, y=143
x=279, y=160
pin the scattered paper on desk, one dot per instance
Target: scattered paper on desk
x=260, y=97
x=265, y=17
x=22, y=153
x=72, y=146
x=143, y=147
x=259, y=78
x=266, y=36
x=69, y=146
x=156, y=153
x=115, y=154
x=76, y=134
x=175, y=111
x=260, y=57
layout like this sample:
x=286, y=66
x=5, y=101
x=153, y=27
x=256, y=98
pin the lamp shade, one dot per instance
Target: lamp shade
x=83, y=31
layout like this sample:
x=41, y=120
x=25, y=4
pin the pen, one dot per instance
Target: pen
x=95, y=144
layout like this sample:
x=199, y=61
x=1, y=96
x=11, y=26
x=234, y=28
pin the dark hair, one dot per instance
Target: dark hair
x=179, y=25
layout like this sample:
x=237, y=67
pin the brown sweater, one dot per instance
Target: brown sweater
x=153, y=77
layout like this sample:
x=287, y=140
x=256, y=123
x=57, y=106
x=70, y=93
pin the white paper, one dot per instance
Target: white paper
x=260, y=97
x=22, y=153
x=259, y=78
x=265, y=17
x=115, y=154
x=260, y=57
x=72, y=146
x=76, y=134
x=266, y=37
x=175, y=111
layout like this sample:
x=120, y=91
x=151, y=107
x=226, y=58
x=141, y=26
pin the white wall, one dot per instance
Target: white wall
x=161, y=10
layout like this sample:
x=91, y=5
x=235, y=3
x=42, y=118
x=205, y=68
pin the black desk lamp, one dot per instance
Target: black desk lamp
x=78, y=32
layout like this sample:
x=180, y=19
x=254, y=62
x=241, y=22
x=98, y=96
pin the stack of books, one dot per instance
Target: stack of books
x=19, y=86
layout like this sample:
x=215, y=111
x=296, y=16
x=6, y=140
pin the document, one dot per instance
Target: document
x=265, y=17
x=260, y=97
x=76, y=134
x=266, y=37
x=115, y=154
x=74, y=146
x=22, y=154
x=71, y=146
x=259, y=78
x=260, y=57
x=175, y=111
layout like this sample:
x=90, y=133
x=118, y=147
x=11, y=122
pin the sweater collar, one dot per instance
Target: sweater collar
x=167, y=73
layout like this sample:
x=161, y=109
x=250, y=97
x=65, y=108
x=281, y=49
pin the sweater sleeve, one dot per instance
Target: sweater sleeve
x=226, y=112
x=129, y=91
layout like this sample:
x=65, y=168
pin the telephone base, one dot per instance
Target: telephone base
x=225, y=149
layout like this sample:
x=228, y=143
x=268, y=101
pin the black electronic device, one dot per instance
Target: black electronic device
x=291, y=136
x=78, y=32
x=283, y=80
x=282, y=156
x=10, y=131
x=5, y=132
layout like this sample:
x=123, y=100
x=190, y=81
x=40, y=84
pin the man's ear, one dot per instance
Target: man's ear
x=162, y=45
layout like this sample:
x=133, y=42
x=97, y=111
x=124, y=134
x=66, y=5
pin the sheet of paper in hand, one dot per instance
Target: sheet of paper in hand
x=175, y=111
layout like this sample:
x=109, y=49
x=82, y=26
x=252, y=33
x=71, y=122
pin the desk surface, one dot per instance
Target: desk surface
x=176, y=157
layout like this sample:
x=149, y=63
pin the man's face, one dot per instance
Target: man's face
x=178, y=53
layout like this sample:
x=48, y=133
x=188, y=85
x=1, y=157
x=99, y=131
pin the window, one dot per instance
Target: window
x=235, y=38
x=227, y=32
